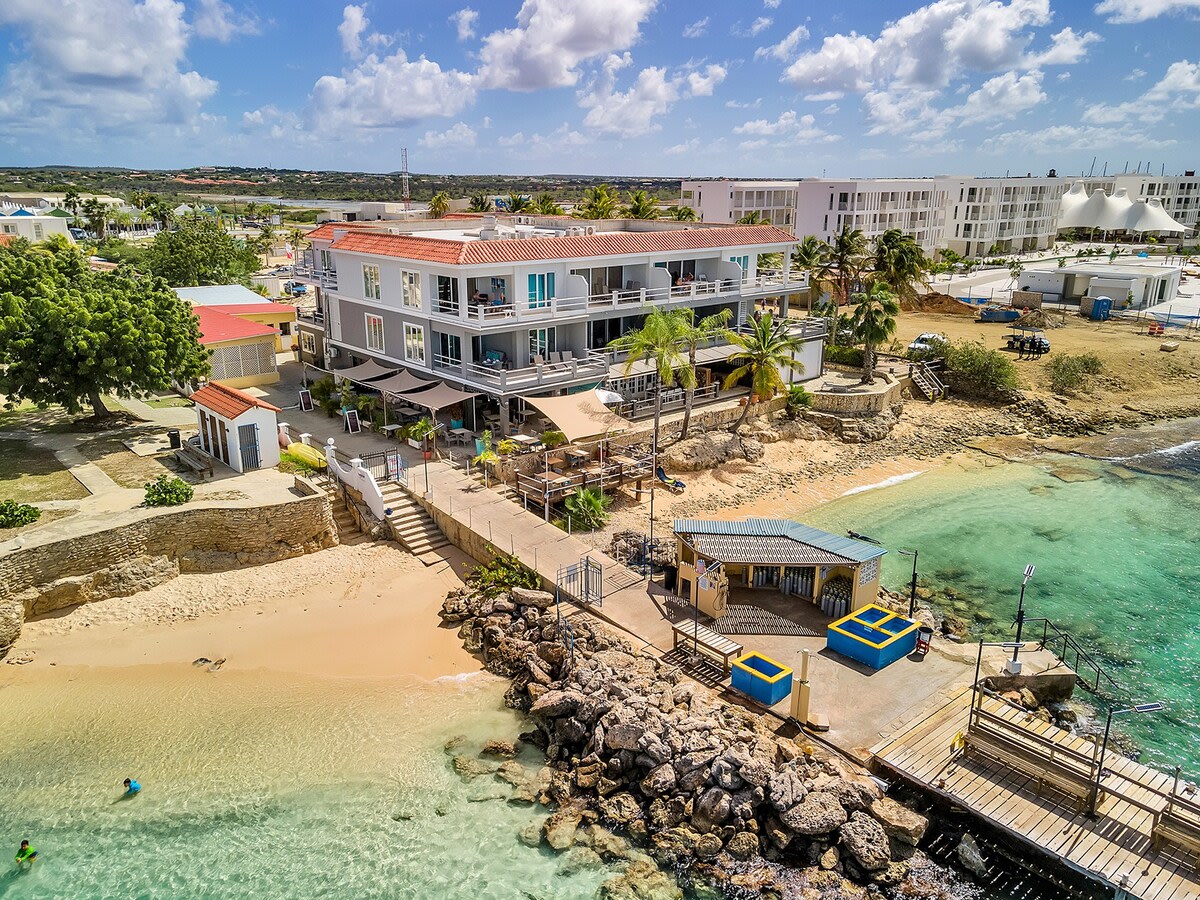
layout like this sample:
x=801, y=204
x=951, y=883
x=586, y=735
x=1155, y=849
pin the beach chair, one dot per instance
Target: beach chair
x=671, y=484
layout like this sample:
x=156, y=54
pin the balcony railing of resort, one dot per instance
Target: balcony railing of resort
x=812, y=327
x=765, y=283
x=567, y=469
x=304, y=267
x=559, y=367
x=672, y=399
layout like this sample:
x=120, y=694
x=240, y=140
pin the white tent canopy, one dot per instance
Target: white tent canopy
x=1115, y=213
x=403, y=383
x=438, y=397
x=365, y=371
x=579, y=416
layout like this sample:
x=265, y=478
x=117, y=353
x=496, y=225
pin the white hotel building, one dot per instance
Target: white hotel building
x=724, y=202
x=527, y=305
x=916, y=206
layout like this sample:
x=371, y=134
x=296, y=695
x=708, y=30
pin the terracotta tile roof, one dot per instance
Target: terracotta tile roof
x=254, y=309
x=227, y=402
x=217, y=326
x=6, y=239
x=612, y=243
x=326, y=232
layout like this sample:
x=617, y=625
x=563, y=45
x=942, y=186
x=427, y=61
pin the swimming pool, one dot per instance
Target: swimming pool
x=874, y=636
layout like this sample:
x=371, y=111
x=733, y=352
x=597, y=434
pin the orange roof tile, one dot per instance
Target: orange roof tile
x=217, y=326
x=611, y=243
x=326, y=231
x=227, y=402
x=6, y=239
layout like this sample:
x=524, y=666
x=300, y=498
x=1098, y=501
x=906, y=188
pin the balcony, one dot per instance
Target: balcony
x=812, y=328
x=304, y=269
x=590, y=367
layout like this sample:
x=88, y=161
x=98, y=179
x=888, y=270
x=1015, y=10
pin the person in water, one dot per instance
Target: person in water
x=131, y=787
x=26, y=854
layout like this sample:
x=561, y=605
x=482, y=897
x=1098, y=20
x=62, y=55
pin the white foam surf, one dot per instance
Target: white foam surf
x=887, y=482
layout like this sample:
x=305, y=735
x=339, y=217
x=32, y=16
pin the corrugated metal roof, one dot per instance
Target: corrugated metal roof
x=609, y=243
x=220, y=295
x=845, y=547
x=782, y=551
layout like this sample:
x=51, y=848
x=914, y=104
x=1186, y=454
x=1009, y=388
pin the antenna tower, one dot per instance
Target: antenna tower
x=404, y=177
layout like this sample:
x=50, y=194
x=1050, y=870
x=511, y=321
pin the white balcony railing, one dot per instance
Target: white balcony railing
x=591, y=366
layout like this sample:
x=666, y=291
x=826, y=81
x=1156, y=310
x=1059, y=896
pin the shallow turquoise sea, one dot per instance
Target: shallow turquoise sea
x=1115, y=544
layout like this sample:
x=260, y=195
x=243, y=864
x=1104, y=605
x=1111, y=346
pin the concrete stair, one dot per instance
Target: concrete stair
x=412, y=526
x=347, y=525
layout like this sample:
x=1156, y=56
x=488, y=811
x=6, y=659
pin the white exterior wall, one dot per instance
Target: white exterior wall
x=916, y=206
x=35, y=228
x=1014, y=213
x=268, y=435
x=725, y=202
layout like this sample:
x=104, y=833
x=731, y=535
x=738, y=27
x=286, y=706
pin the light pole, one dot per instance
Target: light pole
x=1007, y=645
x=426, y=450
x=1014, y=666
x=1139, y=708
x=912, y=591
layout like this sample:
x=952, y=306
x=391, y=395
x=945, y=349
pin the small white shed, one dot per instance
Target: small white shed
x=237, y=428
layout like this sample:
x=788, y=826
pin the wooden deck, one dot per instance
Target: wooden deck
x=1115, y=848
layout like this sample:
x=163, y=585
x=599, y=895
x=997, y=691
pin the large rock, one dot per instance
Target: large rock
x=556, y=703
x=899, y=821
x=675, y=847
x=660, y=781
x=529, y=597
x=467, y=767
x=712, y=809
x=642, y=880
x=559, y=829
x=621, y=808
x=704, y=451
x=818, y=813
x=970, y=857
x=865, y=840
x=786, y=788
x=12, y=617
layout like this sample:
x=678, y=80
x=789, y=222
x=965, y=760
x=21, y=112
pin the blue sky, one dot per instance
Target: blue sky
x=655, y=87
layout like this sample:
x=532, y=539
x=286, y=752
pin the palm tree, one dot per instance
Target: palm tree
x=809, y=257
x=874, y=322
x=754, y=217
x=439, y=204
x=264, y=242
x=762, y=352
x=599, y=202
x=680, y=213
x=95, y=214
x=480, y=203
x=658, y=343
x=588, y=509
x=545, y=205
x=297, y=238
x=160, y=211
x=121, y=220
x=900, y=263
x=845, y=262
x=71, y=201
x=641, y=206
x=519, y=203
x=691, y=335
x=251, y=209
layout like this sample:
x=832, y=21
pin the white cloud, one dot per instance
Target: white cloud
x=464, y=22
x=772, y=4
x=758, y=26
x=1057, y=138
x=218, y=20
x=1064, y=76
x=825, y=96
x=102, y=66
x=1002, y=97
x=831, y=109
x=696, y=29
x=561, y=138
x=747, y=104
x=378, y=93
x=684, y=149
x=637, y=110
x=552, y=38
x=1124, y=12
x=796, y=128
x=913, y=112
x=1066, y=48
x=786, y=48
x=1177, y=91
x=1136, y=75
x=459, y=136
x=354, y=23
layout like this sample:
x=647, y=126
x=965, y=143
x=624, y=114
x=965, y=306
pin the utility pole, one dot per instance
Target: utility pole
x=404, y=181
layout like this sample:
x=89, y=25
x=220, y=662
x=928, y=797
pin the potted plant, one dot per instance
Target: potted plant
x=456, y=416
x=552, y=439
x=420, y=435
x=507, y=446
x=483, y=442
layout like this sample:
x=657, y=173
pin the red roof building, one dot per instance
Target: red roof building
x=217, y=326
x=228, y=402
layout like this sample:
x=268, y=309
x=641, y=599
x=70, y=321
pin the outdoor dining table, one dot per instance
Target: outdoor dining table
x=554, y=462
x=407, y=412
x=577, y=456
x=525, y=440
x=462, y=435
x=389, y=430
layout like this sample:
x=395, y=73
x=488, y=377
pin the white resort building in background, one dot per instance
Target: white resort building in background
x=917, y=206
x=512, y=306
x=725, y=202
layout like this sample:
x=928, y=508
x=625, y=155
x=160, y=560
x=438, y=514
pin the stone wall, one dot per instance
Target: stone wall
x=138, y=555
x=866, y=403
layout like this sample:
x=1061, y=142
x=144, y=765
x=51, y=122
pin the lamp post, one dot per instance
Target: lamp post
x=1007, y=645
x=912, y=591
x=1014, y=666
x=1139, y=708
x=426, y=450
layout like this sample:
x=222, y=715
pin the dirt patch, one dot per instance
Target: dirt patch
x=30, y=474
x=934, y=302
x=124, y=466
x=47, y=516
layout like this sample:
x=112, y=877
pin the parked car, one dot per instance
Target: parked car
x=927, y=341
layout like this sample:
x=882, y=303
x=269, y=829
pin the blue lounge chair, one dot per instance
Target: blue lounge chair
x=673, y=484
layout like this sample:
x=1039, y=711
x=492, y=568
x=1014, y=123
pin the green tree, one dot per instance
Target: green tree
x=439, y=204
x=161, y=212
x=680, y=213
x=297, y=237
x=763, y=351
x=69, y=335
x=71, y=201
x=198, y=252
x=809, y=257
x=640, y=206
x=587, y=508
x=874, y=321
x=845, y=263
x=95, y=214
x=599, y=202
x=658, y=343
x=900, y=263
x=519, y=203
x=480, y=203
x=546, y=205
x=693, y=335
x=754, y=217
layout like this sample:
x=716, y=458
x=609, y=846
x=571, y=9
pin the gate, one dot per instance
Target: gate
x=582, y=582
x=386, y=465
x=248, y=441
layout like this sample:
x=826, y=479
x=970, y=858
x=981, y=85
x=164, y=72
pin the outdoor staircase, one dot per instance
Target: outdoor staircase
x=927, y=383
x=412, y=526
x=347, y=525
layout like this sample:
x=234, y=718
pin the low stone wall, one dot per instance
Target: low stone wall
x=867, y=403
x=135, y=556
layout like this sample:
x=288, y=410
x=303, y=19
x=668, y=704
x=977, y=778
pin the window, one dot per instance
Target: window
x=37, y=231
x=541, y=290
x=449, y=348
x=374, y=332
x=371, y=282
x=285, y=328
x=447, y=295
x=410, y=286
x=743, y=261
x=326, y=261
x=308, y=343
x=414, y=343
x=541, y=341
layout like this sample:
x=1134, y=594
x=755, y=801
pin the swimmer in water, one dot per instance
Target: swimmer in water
x=26, y=854
x=131, y=787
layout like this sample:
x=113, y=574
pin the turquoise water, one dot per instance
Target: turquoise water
x=1115, y=549
x=257, y=785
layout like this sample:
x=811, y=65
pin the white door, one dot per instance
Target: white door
x=334, y=318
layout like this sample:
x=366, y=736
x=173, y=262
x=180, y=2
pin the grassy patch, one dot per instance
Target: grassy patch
x=168, y=402
x=294, y=465
x=47, y=516
x=124, y=466
x=29, y=474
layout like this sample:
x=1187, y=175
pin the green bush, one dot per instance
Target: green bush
x=1068, y=373
x=294, y=464
x=501, y=574
x=587, y=509
x=798, y=399
x=14, y=514
x=325, y=394
x=977, y=371
x=845, y=356
x=166, y=490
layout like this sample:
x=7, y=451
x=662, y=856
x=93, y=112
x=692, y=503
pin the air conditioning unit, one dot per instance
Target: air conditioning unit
x=589, y=229
x=332, y=352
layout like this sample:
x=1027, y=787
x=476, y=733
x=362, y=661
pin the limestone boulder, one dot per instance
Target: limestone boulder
x=786, y=788
x=899, y=821
x=12, y=617
x=660, y=781
x=743, y=845
x=712, y=809
x=642, y=880
x=818, y=813
x=560, y=828
x=865, y=840
x=553, y=704
x=533, y=598
x=621, y=808
x=970, y=856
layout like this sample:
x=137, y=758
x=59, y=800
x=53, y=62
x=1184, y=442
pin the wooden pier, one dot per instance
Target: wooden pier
x=1116, y=848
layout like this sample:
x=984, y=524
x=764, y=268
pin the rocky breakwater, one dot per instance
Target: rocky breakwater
x=703, y=785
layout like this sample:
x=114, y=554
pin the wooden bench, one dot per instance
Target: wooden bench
x=1179, y=823
x=707, y=642
x=1069, y=771
x=195, y=460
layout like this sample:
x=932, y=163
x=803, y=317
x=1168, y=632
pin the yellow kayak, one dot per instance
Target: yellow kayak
x=310, y=455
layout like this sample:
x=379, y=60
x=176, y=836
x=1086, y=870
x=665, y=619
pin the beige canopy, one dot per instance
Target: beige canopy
x=403, y=383
x=579, y=416
x=438, y=397
x=365, y=371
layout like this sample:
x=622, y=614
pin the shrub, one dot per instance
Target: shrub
x=294, y=464
x=326, y=395
x=977, y=371
x=1069, y=373
x=501, y=574
x=552, y=439
x=14, y=514
x=168, y=491
x=507, y=446
x=845, y=356
x=587, y=509
x=798, y=398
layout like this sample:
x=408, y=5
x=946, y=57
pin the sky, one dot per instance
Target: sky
x=748, y=88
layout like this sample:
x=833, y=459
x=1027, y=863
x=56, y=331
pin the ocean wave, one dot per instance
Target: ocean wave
x=460, y=678
x=1177, y=450
x=887, y=482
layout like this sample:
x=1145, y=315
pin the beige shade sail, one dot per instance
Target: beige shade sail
x=403, y=383
x=579, y=416
x=365, y=371
x=438, y=397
